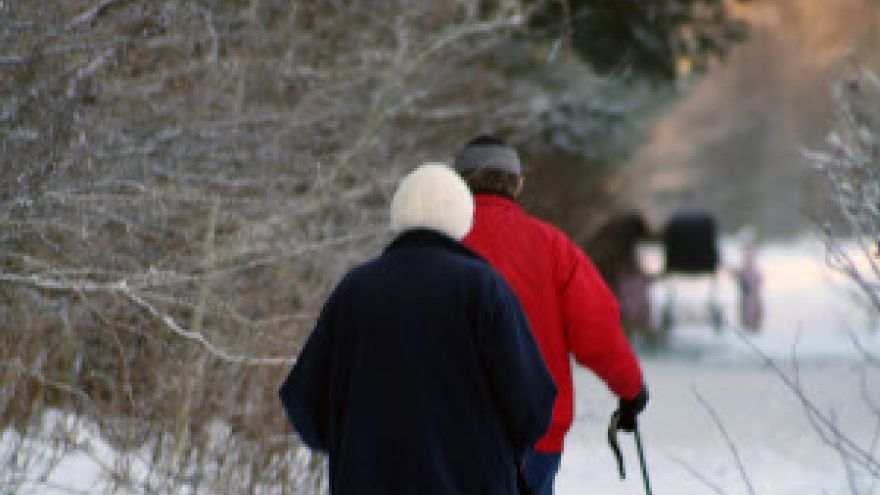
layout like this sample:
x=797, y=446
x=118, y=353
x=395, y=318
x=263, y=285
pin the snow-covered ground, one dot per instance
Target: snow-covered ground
x=809, y=313
x=686, y=452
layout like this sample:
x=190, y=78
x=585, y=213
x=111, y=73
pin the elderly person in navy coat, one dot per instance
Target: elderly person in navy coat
x=421, y=375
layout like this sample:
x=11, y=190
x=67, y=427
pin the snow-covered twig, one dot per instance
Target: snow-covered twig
x=122, y=287
x=91, y=14
x=175, y=327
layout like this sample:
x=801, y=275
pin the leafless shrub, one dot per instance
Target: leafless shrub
x=180, y=183
x=850, y=166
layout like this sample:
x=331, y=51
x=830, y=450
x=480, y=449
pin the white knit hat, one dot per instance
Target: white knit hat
x=433, y=196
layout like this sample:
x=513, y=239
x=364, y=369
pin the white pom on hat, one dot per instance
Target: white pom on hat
x=433, y=196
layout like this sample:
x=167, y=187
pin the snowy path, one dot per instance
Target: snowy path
x=809, y=312
x=781, y=453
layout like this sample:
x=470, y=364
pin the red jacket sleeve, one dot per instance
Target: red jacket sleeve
x=592, y=323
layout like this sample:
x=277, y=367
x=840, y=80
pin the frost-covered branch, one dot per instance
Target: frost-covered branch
x=850, y=168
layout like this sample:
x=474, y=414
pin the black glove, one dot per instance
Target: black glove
x=628, y=410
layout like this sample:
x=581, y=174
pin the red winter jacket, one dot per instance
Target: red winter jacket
x=568, y=305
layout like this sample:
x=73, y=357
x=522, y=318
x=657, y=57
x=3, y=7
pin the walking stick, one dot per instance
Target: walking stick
x=615, y=449
x=642, y=462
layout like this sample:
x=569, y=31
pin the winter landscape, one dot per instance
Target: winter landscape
x=817, y=334
x=183, y=182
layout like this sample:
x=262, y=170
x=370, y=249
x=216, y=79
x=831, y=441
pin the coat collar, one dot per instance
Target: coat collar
x=496, y=200
x=429, y=237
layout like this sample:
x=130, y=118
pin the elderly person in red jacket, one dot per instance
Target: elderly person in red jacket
x=569, y=307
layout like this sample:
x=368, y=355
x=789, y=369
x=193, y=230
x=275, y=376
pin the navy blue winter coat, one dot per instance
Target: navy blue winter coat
x=421, y=376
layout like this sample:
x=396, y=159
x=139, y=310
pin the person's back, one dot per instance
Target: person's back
x=569, y=307
x=559, y=290
x=413, y=379
x=410, y=355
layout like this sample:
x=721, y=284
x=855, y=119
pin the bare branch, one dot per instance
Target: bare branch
x=730, y=444
x=698, y=475
x=91, y=14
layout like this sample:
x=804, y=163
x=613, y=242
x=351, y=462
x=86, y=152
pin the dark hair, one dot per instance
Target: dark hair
x=486, y=140
x=489, y=181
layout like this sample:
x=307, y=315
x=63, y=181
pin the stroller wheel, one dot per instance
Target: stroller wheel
x=716, y=316
x=667, y=319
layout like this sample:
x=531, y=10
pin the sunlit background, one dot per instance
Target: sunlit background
x=183, y=181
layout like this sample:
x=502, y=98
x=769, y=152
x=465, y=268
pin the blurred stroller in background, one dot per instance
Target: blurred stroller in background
x=690, y=243
x=691, y=252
